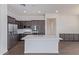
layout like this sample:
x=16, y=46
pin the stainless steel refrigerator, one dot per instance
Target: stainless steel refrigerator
x=12, y=35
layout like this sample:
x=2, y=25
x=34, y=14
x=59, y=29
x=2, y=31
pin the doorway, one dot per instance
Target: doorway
x=51, y=26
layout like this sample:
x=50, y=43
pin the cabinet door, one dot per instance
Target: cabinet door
x=61, y=36
x=71, y=36
x=15, y=39
x=11, y=20
x=10, y=41
x=75, y=36
x=40, y=24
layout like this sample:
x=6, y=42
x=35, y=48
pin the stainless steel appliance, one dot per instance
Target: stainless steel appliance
x=12, y=35
x=35, y=29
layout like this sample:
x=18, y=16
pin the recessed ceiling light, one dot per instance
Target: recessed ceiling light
x=39, y=11
x=56, y=11
x=24, y=11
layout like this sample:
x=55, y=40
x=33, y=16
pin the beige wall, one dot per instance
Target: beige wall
x=65, y=23
x=68, y=24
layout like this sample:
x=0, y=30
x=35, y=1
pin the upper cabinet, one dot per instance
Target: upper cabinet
x=40, y=25
x=24, y=24
x=11, y=20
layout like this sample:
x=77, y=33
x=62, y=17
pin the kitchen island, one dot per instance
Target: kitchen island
x=41, y=44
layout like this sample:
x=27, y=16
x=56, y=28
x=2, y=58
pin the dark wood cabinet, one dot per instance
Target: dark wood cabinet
x=24, y=24
x=11, y=20
x=69, y=37
x=40, y=24
x=30, y=24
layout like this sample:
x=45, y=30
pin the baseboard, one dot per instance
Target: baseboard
x=3, y=51
x=40, y=52
x=70, y=40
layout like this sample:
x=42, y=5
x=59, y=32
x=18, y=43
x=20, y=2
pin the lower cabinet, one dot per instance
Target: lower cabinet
x=9, y=42
x=12, y=40
x=21, y=36
x=71, y=37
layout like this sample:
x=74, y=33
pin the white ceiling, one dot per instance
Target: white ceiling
x=42, y=9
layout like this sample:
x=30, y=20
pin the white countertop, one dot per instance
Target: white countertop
x=24, y=31
x=40, y=37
